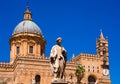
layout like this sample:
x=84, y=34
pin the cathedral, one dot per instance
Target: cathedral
x=28, y=64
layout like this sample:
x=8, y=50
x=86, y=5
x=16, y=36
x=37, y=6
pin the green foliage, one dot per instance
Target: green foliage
x=79, y=72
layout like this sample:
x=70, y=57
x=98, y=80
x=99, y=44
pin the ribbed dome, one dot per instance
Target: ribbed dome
x=27, y=26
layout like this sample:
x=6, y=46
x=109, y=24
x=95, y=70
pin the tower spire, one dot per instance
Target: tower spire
x=27, y=14
x=101, y=35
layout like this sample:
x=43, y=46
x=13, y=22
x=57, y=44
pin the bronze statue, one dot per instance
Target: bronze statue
x=58, y=60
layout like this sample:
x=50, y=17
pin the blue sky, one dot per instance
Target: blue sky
x=78, y=22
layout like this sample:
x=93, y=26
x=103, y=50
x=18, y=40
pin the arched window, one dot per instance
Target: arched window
x=17, y=50
x=91, y=80
x=37, y=79
x=28, y=17
x=30, y=49
x=104, y=52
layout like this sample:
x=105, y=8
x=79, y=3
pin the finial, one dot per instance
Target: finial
x=101, y=35
x=27, y=3
x=73, y=55
x=27, y=6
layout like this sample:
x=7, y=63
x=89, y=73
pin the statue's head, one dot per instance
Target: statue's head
x=59, y=40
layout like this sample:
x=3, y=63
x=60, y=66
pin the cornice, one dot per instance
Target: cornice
x=26, y=37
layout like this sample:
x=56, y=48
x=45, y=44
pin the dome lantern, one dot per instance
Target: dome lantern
x=27, y=14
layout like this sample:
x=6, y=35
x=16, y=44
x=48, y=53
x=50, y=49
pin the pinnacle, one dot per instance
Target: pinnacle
x=101, y=35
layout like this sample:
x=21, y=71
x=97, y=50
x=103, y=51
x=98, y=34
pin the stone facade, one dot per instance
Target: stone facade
x=28, y=64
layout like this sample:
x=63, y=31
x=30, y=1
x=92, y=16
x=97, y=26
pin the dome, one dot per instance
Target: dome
x=27, y=26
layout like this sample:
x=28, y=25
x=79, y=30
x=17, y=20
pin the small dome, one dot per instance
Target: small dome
x=27, y=26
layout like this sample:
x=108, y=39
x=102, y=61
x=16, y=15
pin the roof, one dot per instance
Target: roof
x=27, y=26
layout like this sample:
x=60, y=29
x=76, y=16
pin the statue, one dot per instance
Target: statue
x=58, y=60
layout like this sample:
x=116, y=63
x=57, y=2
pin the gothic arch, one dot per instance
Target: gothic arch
x=37, y=79
x=92, y=79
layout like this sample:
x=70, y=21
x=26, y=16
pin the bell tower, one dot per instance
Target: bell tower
x=102, y=46
x=102, y=52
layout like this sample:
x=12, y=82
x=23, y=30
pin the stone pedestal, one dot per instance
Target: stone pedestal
x=59, y=82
